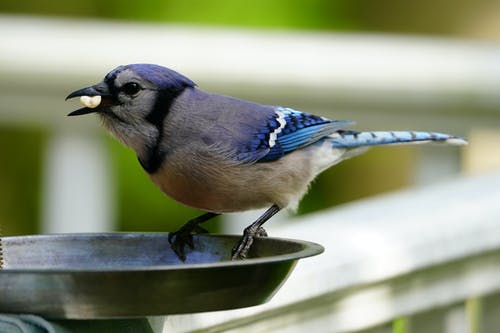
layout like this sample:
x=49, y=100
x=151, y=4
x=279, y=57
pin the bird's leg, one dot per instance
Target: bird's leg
x=241, y=249
x=184, y=236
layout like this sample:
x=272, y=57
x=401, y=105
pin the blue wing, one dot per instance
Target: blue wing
x=287, y=130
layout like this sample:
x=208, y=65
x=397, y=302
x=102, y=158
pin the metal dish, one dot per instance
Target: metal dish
x=116, y=275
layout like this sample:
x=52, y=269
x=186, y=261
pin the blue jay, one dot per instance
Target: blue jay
x=221, y=154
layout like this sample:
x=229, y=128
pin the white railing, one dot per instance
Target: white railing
x=427, y=257
x=424, y=255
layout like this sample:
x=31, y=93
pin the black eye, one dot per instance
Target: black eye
x=131, y=88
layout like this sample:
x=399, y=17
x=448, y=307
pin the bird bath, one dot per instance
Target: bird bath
x=118, y=275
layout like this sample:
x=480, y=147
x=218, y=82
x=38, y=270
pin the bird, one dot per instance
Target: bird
x=221, y=154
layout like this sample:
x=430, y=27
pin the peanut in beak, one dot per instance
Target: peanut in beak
x=90, y=101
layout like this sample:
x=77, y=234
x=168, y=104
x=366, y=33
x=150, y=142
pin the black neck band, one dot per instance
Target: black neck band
x=155, y=156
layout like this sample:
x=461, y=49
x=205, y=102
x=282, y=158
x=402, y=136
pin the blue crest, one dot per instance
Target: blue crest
x=162, y=77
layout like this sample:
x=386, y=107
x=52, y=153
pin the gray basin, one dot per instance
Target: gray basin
x=116, y=275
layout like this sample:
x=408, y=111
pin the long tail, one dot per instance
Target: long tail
x=351, y=139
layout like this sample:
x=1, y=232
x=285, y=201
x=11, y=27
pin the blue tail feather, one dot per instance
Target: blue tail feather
x=351, y=139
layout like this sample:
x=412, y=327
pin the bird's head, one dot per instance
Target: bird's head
x=130, y=92
x=132, y=100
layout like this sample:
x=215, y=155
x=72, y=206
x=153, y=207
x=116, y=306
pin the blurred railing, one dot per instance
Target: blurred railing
x=427, y=257
x=424, y=260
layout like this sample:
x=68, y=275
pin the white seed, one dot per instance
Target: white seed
x=90, y=101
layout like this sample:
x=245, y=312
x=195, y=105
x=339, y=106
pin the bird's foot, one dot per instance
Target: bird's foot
x=261, y=232
x=241, y=249
x=182, y=237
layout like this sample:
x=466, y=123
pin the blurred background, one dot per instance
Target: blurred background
x=387, y=65
x=427, y=65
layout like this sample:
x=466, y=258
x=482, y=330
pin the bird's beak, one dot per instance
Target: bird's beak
x=91, y=98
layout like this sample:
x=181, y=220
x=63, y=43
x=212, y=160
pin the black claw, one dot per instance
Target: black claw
x=184, y=236
x=179, y=251
x=178, y=241
x=240, y=250
x=261, y=232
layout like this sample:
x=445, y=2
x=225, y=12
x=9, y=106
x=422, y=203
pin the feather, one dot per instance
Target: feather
x=351, y=139
x=300, y=129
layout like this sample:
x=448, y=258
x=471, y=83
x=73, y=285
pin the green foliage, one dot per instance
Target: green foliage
x=426, y=16
x=20, y=178
x=257, y=13
x=312, y=14
x=400, y=325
